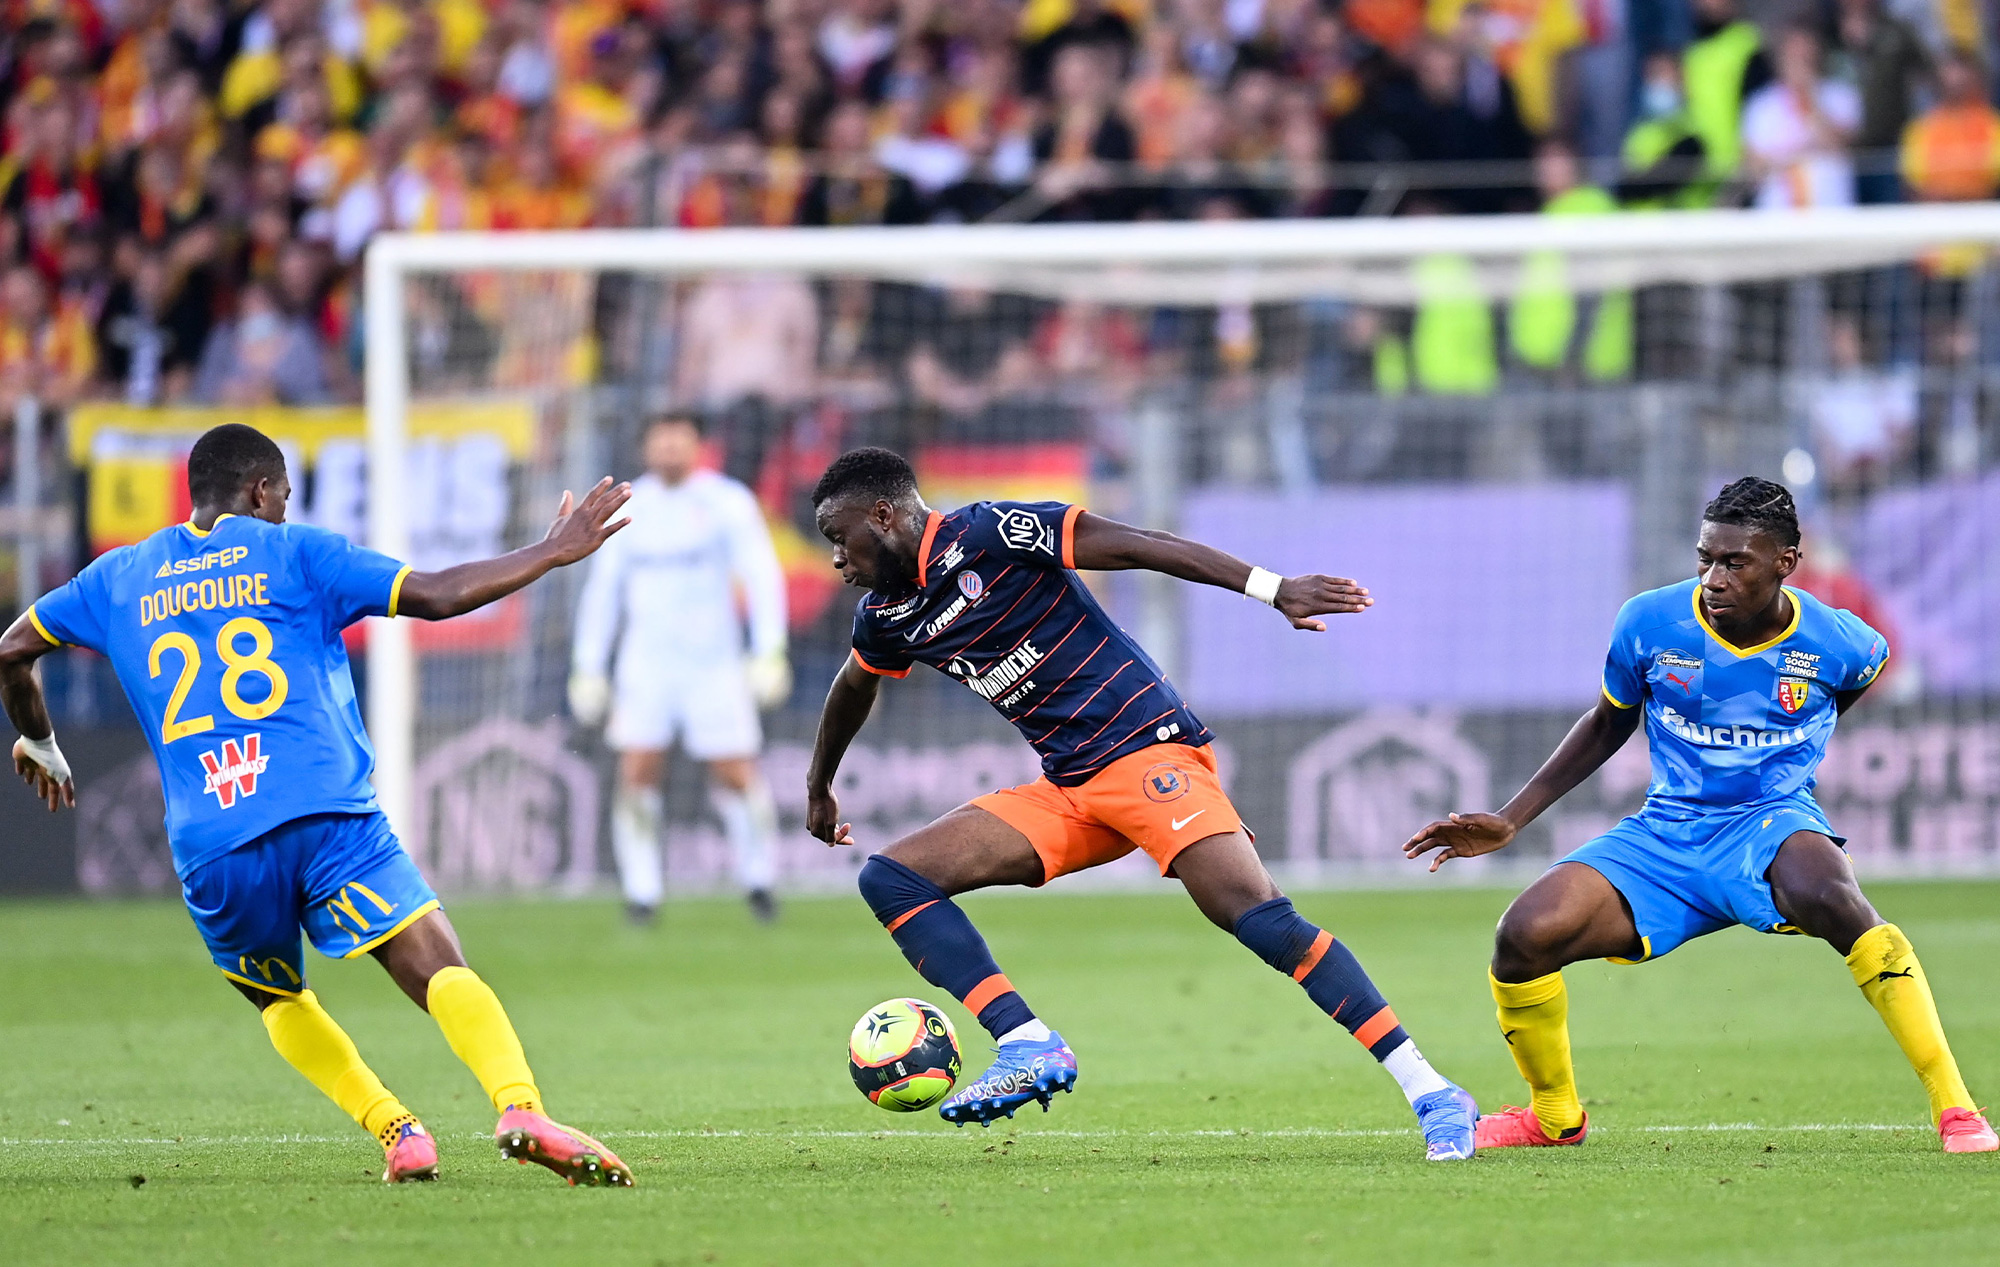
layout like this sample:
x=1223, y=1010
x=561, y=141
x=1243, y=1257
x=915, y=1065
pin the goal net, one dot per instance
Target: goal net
x=1504, y=426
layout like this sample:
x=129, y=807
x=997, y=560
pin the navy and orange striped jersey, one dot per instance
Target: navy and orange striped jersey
x=999, y=606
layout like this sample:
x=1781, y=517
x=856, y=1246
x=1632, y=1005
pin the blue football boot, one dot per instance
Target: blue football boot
x=1023, y=1071
x=1447, y=1118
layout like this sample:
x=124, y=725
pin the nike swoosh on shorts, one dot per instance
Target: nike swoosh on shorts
x=1182, y=822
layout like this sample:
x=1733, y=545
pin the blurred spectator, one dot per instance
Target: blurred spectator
x=46, y=352
x=747, y=358
x=966, y=347
x=1796, y=131
x=1084, y=132
x=1952, y=152
x=1722, y=69
x=1523, y=39
x=852, y=188
x=1665, y=162
x=1451, y=108
x=150, y=334
x=1864, y=420
x=1886, y=61
x=263, y=357
x=1552, y=329
x=54, y=189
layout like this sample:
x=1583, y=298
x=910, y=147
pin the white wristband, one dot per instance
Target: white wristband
x=1263, y=586
x=44, y=753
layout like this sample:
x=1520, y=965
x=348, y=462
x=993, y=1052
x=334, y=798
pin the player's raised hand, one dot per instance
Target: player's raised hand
x=54, y=788
x=823, y=818
x=1460, y=836
x=1301, y=598
x=581, y=527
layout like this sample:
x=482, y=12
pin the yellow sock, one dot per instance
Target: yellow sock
x=480, y=1034
x=312, y=1043
x=1534, y=1017
x=1886, y=968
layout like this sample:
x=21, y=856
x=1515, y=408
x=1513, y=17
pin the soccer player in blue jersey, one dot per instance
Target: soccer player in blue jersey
x=225, y=632
x=988, y=594
x=1740, y=680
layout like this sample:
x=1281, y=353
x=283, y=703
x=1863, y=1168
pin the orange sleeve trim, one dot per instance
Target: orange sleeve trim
x=1069, y=537
x=924, y=547
x=1321, y=944
x=1375, y=1027
x=986, y=991
x=908, y=915
x=41, y=628
x=879, y=672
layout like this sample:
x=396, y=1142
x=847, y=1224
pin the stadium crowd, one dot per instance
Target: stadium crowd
x=189, y=184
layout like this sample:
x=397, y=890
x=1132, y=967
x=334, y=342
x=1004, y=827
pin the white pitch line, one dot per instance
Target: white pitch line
x=1299, y=1132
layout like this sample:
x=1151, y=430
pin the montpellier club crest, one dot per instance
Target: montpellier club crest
x=1165, y=782
x=1792, y=693
x=233, y=772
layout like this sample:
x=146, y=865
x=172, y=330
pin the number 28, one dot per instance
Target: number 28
x=173, y=726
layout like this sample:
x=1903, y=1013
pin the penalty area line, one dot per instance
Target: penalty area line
x=1293, y=1132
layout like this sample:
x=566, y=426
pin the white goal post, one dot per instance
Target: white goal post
x=1164, y=263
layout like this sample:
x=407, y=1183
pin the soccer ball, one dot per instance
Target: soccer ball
x=903, y=1055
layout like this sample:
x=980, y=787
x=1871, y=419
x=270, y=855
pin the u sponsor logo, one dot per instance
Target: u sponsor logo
x=1165, y=782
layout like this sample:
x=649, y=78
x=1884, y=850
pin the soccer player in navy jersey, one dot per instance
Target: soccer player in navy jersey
x=225, y=632
x=988, y=594
x=1740, y=681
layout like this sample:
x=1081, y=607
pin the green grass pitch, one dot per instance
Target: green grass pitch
x=1747, y=1105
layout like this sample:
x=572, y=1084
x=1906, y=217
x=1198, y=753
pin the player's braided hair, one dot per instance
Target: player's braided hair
x=228, y=457
x=877, y=474
x=1758, y=505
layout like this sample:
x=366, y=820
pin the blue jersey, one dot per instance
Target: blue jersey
x=998, y=606
x=1728, y=726
x=227, y=643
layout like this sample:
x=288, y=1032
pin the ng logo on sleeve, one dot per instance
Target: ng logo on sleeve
x=1023, y=530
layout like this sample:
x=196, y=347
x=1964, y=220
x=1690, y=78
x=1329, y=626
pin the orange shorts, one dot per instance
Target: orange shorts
x=1160, y=799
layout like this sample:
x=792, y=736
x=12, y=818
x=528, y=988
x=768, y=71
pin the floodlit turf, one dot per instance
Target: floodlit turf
x=1747, y=1105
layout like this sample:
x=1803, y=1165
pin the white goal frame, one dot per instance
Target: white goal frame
x=1705, y=245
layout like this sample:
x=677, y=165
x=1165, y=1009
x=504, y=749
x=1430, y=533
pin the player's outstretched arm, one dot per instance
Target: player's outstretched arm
x=36, y=758
x=1105, y=545
x=1597, y=734
x=580, y=528
x=848, y=704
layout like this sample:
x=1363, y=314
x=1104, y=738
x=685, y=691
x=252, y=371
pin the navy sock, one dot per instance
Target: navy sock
x=941, y=943
x=1333, y=978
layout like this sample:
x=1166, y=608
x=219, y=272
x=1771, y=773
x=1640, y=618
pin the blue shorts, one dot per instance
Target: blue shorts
x=344, y=878
x=1688, y=877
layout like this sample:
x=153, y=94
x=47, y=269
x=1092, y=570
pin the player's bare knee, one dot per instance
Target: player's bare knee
x=1530, y=941
x=1225, y=877
x=1832, y=908
x=1813, y=887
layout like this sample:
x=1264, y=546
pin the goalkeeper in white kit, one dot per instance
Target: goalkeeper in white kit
x=664, y=593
